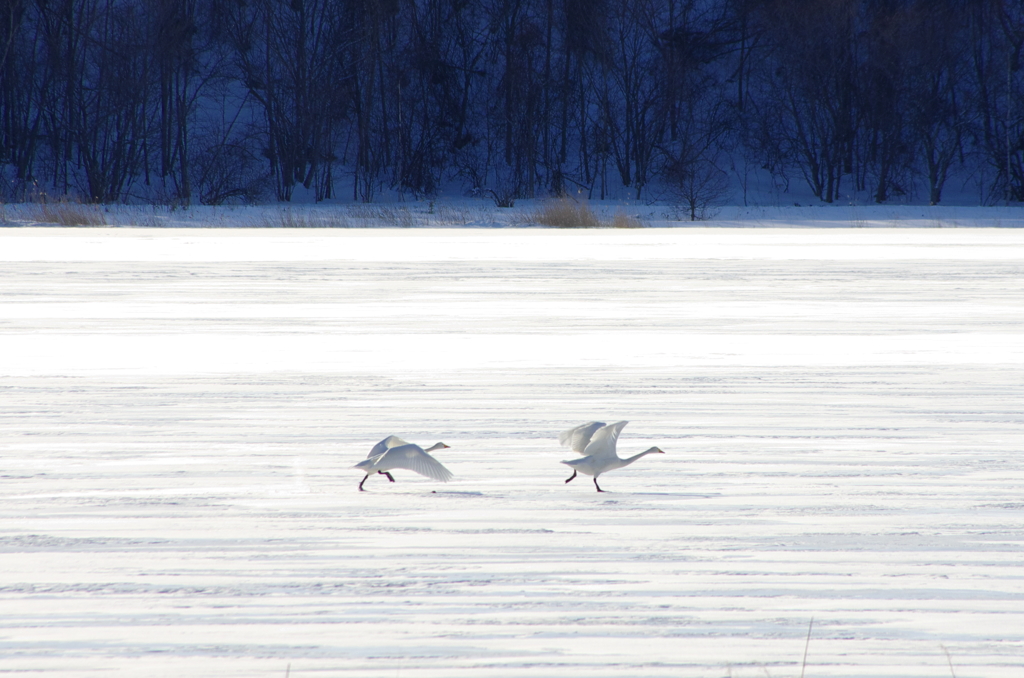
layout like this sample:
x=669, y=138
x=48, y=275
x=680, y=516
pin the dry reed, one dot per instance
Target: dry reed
x=398, y=217
x=66, y=213
x=566, y=213
x=621, y=220
x=290, y=219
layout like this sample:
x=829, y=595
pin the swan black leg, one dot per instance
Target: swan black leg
x=385, y=473
x=571, y=477
x=596, y=485
x=363, y=481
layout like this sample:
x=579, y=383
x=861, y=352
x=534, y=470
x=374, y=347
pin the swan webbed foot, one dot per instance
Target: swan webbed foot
x=363, y=481
x=596, y=485
x=385, y=473
x=571, y=477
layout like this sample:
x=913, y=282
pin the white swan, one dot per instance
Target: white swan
x=598, y=443
x=393, y=452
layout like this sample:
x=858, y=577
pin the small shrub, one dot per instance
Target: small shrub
x=228, y=173
x=506, y=186
x=504, y=196
x=699, y=184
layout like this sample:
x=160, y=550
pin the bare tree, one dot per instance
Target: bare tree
x=809, y=75
x=1006, y=147
x=20, y=81
x=95, y=102
x=884, y=146
x=631, y=98
x=936, y=52
x=287, y=54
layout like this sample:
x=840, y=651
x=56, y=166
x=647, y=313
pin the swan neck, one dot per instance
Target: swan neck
x=630, y=460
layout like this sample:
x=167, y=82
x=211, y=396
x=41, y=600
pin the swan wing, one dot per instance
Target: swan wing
x=602, y=444
x=413, y=458
x=578, y=438
x=385, y=445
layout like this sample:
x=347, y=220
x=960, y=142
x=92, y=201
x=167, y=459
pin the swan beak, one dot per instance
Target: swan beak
x=445, y=447
x=659, y=450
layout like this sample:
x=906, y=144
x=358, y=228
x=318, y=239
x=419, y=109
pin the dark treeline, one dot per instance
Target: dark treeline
x=186, y=101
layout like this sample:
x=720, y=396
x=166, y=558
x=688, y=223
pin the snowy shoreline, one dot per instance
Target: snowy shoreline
x=475, y=213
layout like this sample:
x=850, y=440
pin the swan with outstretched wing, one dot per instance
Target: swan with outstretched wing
x=394, y=453
x=601, y=456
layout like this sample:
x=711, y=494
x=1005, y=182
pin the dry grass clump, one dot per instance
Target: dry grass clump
x=300, y=219
x=312, y=220
x=67, y=213
x=622, y=220
x=446, y=215
x=566, y=213
x=398, y=217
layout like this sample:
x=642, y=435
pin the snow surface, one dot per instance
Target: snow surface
x=841, y=412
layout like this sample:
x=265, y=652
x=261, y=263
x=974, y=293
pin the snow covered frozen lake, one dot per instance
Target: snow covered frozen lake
x=842, y=412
